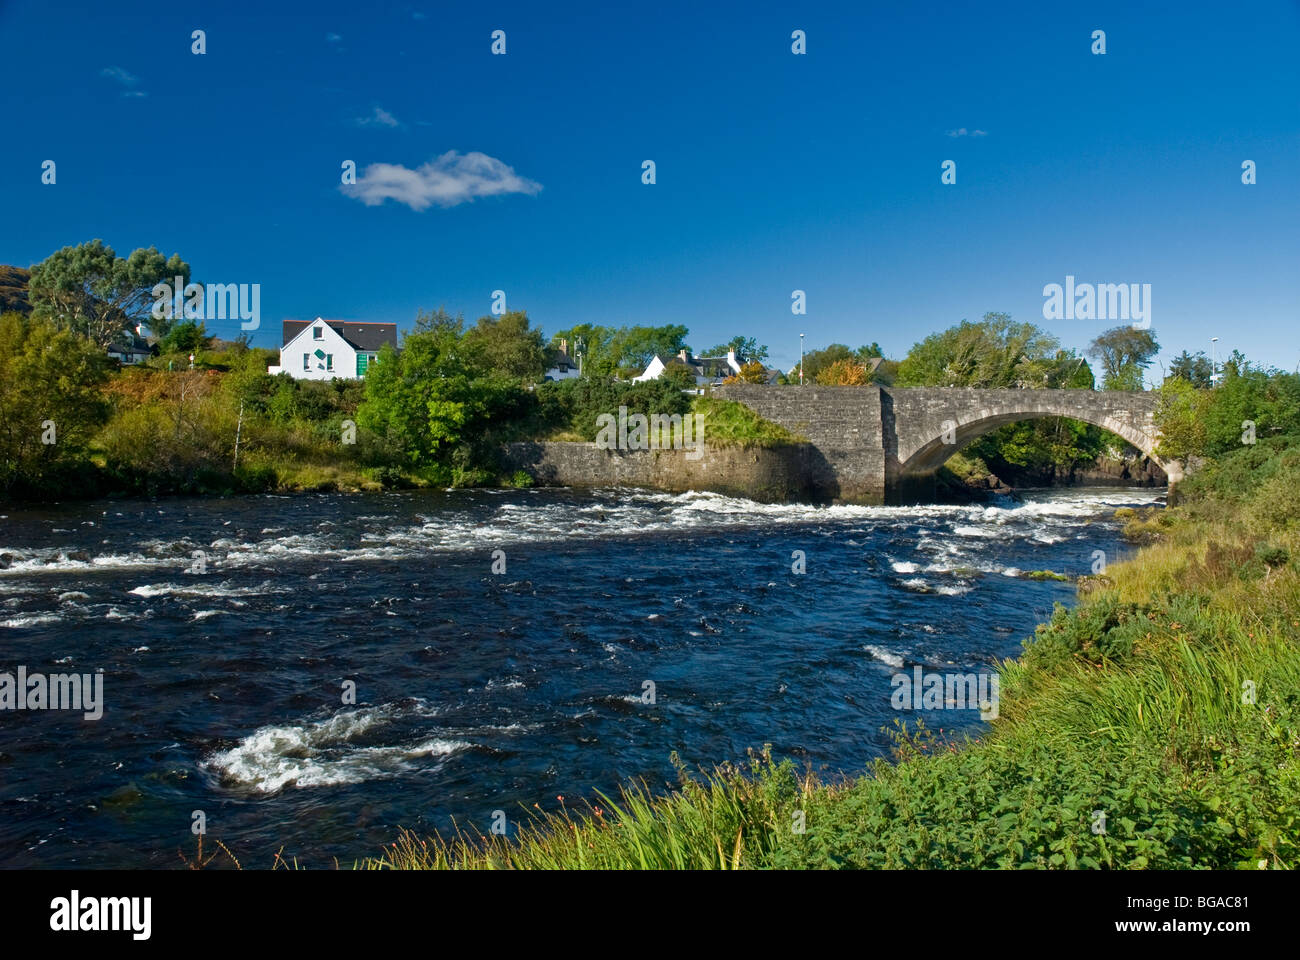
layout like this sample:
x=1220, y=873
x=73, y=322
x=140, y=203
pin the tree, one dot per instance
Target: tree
x=91, y=291
x=751, y=372
x=1195, y=368
x=186, y=337
x=747, y=349
x=1181, y=413
x=817, y=360
x=50, y=401
x=1069, y=371
x=505, y=346
x=1124, y=353
x=995, y=352
x=844, y=373
x=679, y=375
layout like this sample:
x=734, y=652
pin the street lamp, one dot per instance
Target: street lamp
x=1214, y=360
x=801, y=359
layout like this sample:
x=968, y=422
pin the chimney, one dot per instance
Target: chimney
x=564, y=347
x=683, y=356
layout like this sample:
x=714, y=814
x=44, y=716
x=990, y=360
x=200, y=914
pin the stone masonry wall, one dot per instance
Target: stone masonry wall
x=842, y=423
x=768, y=475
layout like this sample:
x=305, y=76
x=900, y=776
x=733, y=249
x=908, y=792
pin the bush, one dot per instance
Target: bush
x=731, y=424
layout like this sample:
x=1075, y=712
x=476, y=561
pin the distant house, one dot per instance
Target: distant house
x=130, y=349
x=709, y=371
x=331, y=349
x=559, y=366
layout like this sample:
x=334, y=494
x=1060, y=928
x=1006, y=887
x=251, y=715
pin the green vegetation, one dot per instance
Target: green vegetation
x=92, y=291
x=1167, y=700
x=1124, y=353
x=1250, y=404
x=817, y=362
x=731, y=424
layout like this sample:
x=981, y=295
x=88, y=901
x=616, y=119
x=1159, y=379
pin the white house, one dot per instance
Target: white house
x=709, y=371
x=559, y=365
x=130, y=348
x=328, y=349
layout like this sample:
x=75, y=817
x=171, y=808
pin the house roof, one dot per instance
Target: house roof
x=130, y=342
x=557, y=357
x=360, y=336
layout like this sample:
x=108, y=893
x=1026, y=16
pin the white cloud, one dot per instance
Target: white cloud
x=379, y=117
x=126, y=79
x=447, y=181
x=332, y=38
x=963, y=132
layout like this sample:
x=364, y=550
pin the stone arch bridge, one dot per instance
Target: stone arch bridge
x=884, y=444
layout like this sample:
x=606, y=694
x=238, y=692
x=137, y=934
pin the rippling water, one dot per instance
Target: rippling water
x=476, y=691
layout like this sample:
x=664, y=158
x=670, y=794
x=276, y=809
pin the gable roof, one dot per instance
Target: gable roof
x=128, y=341
x=360, y=336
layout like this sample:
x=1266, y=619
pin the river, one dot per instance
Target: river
x=625, y=625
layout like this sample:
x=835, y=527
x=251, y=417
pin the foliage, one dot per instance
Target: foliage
x=91, y=291
x=504, y=346
x=185, y=337
x=623, y=351
x=679, y=375
x=748, y=350
x=1193, y=368
x=844, y=373
x=573, y=406
x=751, y=372
x=1215, y=422
x=50, y=383
x=995, y=352
x=814, y=362
x=1124, y=353
x=1180, y=412
x=731, y=424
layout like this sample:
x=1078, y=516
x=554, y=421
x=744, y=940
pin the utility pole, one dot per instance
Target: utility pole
x=239, y=429
x=801, y=359
x=1214, y=360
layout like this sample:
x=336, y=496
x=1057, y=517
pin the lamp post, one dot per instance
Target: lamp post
x=1214, y=360
x=801, y=359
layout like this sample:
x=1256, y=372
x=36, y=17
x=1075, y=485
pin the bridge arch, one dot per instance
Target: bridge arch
x=933, y=453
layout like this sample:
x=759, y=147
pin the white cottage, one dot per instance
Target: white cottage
x=709, y=371
x=327, y=349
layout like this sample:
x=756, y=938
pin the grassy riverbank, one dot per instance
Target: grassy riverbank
x=1169, y=700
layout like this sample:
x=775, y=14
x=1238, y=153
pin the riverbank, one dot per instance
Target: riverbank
x=1154, y=726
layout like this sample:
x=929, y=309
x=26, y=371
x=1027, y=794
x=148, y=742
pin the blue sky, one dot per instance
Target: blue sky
x=775, y=172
